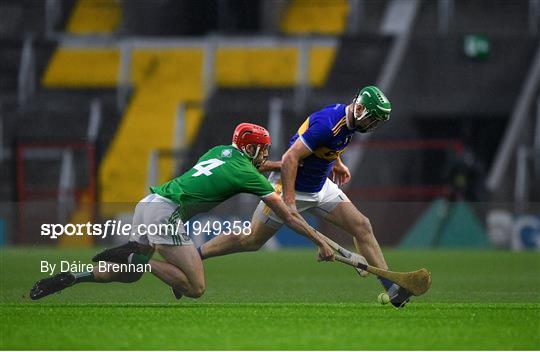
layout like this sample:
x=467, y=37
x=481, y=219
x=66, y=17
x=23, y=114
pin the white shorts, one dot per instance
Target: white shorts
x=157, y=221
x=319, y=203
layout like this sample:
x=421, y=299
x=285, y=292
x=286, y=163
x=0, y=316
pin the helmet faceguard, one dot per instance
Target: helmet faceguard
x=260, y=154
x=246, y=134
x=371, y=109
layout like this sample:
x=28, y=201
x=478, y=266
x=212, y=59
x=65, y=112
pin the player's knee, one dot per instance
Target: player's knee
x=362, y=227
x=197, y=290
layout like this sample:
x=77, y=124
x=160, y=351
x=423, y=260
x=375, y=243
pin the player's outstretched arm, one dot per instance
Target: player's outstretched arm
x=296, y=222
x=270, y=166
x=289, y=168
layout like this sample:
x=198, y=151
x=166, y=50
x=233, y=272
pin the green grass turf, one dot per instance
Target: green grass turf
x=280, y=300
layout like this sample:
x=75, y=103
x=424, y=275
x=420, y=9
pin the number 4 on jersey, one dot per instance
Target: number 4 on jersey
x=204, y=167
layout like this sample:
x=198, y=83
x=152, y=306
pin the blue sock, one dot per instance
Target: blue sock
x=385, y=282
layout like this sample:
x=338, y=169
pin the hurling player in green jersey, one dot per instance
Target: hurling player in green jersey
x=219, y=174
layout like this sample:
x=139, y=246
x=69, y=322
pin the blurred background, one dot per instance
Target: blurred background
x=101, y=98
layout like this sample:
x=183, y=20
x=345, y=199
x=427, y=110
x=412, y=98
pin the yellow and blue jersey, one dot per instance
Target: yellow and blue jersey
x=326, y=134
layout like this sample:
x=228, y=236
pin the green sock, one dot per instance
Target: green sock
x=87, y=276
x=136, y=258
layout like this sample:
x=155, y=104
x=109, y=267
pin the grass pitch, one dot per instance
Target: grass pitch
x=280, y=300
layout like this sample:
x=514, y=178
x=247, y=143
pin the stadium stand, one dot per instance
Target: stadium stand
x=84, y=64
x=315, y=17
x=20, y=17
x=505, y=17
x=174, y=76
x=358, y=63
x=94, y=17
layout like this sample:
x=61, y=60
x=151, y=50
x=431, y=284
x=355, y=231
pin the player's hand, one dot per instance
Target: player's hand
x=340, y=174
x=325, y=253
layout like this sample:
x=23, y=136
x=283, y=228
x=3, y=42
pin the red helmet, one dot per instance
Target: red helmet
x=249, y=133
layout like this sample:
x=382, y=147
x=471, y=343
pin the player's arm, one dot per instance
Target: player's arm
x=295, y=221
x=289, y=168
x=270, y=166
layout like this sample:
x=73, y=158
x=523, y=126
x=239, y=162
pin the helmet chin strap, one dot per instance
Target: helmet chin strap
x=257, y=151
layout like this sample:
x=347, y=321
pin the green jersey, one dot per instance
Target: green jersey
x=219, y=174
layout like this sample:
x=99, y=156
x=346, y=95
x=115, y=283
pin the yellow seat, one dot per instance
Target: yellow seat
x=317, y=17
x=94, y=17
